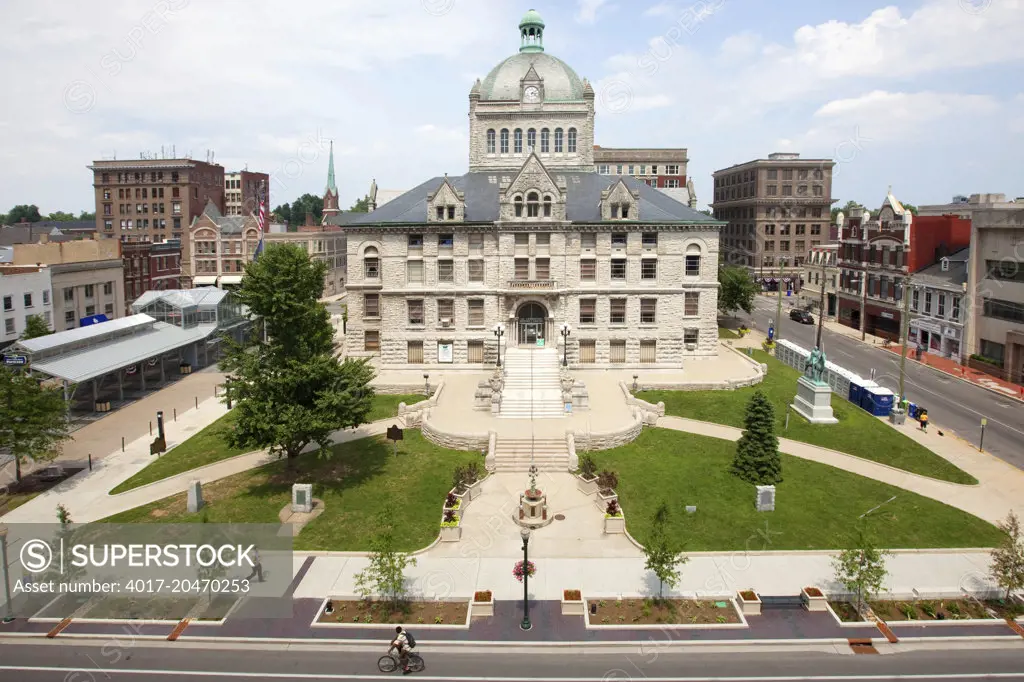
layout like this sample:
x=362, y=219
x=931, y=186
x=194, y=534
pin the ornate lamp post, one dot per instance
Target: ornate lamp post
x=565, y=330
x=8, y=609
x=426, y=384
x=499, y=331
x=526, y=625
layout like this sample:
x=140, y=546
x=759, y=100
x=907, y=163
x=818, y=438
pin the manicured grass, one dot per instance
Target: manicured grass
x=12, y=501
x=724, y=333
x=210, y=445
x=816, y=506
x=857, y=433
x=355, y=483
x=386, y=406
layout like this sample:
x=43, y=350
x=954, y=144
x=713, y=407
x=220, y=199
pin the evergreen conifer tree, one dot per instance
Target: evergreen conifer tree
x=757, y=451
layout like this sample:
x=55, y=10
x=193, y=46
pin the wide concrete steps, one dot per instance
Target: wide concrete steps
x=518, y=454
x=532, y=385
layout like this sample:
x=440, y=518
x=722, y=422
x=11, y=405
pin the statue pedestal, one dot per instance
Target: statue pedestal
x=814, y=402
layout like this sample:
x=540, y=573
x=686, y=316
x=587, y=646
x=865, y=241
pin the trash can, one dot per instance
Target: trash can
x=898, y=417
x=912, y=410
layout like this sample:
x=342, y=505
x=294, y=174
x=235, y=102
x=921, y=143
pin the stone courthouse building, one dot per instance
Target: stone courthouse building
x=532, y=238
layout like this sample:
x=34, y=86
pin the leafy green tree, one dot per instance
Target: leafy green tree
x=33, y=419
x=28, y=213
x=87, y=215
x=361, y=205
x=1008, y=558
x=861, y=569
x=307, y=203
x=385, y=576
x=61, y=216
x=845, y=209
x=910, y=207
x=664, y=554
x=706, y=211
x=736, y=290
x=282, y=214
x=757, y=451
x=35, y=326
x=292, y=390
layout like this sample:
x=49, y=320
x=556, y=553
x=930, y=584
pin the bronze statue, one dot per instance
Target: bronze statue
x=814, y=366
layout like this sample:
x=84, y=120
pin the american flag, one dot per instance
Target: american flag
x=261, y=221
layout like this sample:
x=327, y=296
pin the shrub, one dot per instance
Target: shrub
x=588, y=467
x=613, y=509
x=607, y=481
x=450, y=517
x=571, y=595
x=928, y=608
x=459, y=479
x=451, y=501
x=907, y=610
x=472, y=473
x=483, y=595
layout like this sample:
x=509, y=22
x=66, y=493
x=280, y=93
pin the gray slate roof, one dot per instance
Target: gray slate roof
x=347, y=217
x=954, y=277
x=228, y=224
x=582, y=202
x=30, y=233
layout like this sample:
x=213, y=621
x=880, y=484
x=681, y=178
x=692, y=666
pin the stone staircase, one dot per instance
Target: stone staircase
x=513, y=454
x=532, y=388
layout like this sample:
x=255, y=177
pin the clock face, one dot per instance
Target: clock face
x=531, y=94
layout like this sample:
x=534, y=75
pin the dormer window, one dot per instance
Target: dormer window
x=615, y=211
x=547, y=206
x=518, y=203
x=451, y=213
x=532, y=205
x=440, y=212
x=945, y=265
x=625, y=211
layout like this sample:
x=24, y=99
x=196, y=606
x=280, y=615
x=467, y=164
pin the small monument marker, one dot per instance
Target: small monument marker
x=195, y=496
x=302, y=498
x=765, y=498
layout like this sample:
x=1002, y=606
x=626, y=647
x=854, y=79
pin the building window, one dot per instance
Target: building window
x=816, y=229
x=415, y=241
x=490, y=141
x=602, y=169
x=522, y=271
x=818, y=191
x=588, y=270
x=588, y=351
x=558, y=140
x=69, y=318
x=649, y=268
x=618, y=240
x=445, y=310
x=9, y=303
x=371, y=341
x=942, y=305
x=691, y=303
x=588, y=310
x=108, y=309
x=773, y=190
x=588, y=241
x=693, y=261
x=618, y=269
x=649, y=240
x=9, y=326
x=108, y=287
x=476, y=270
x=690, y=336
x=414, y=307
x=445, y=241
x=445, y=271
x=630, y=169
x=993, y=351
x=46, y=297
x=572, y=140
x=89, y=290
x=787, y=190
x=617, y=351
x=769, y=245
x=476, y=312
x=545, y=137
x=542, y=268
x=648, y=310
x=371, y=264
x=532, y=205
x=414, y=272
x=28, y=300
x=672, y=169
x=475, y=352
x=518, y=202
x=531, y=139
x=801, y=229
x=618, y=311
x=504, y=140
x=90, y=310
x=371, y=305
x=517, y=141
x=648, y=351
x=547, y=206
x=955, y=313
x=769, y=230
x=1003, y=310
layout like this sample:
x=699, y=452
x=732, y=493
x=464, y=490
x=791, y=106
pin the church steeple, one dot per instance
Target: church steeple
x=331, y=191
x=531, y=31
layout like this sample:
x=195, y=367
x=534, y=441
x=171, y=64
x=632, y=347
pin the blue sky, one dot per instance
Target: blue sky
x=924, y=96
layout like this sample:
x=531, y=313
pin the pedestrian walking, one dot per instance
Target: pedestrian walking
x=257, y=566
x=924, y=420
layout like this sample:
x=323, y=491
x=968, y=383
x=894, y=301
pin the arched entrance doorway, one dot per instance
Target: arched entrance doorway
x=531, y=322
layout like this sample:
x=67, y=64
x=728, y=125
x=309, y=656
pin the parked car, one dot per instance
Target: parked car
x=801, y=316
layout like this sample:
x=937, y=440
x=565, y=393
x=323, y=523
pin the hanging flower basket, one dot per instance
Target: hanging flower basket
x=519, y=571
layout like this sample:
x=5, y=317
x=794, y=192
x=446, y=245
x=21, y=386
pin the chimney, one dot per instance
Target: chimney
x=309, y=218
x=44, y=238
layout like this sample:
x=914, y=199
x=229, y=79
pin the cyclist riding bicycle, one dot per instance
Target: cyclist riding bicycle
x=401, y=642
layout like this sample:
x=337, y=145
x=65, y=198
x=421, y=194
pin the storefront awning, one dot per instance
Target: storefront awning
x=231, y=279
x=205, y=280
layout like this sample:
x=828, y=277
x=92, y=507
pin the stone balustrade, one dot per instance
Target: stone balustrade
x=532, y=284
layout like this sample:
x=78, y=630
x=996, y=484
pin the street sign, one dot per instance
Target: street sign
x=15, y=360
x=984, y=422
x=394, y=433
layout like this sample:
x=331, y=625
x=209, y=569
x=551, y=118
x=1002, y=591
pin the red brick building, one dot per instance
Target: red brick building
x=150, y=266
x=876, y=255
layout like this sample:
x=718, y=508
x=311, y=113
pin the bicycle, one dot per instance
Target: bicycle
x=390, y=662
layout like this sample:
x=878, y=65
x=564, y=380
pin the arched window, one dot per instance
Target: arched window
x=532, y=205
x=558, y=140
x=545, y=136
x=518, y=202
x=371, y=263
x=504, y=140
x=531, y=139
x=572, y=140
x=490, y=141
x=547, y=205
x=693, y=260
x=517, y=141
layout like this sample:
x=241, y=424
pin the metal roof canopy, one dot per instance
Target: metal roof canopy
x=109, y=357
x=97, y=332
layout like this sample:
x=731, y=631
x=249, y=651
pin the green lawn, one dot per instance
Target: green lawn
x=354, y=484
x=210, y=445
x=724, y=333
x=857, y=433
x=816, y=506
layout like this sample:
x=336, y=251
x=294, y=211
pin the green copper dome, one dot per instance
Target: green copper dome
x=531, y=18
x=503, y=83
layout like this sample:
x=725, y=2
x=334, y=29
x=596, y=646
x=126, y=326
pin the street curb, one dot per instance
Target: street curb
x=958, y=378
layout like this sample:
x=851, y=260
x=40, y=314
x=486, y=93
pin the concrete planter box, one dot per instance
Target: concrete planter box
x=475, y=489
x=602, y=500
x=898, y=417
x=483, y=608
x=458, y=512
x=813, y=599
x=586, y=486
x=451, y=533
x=615, y=524
x=463, y=497
x=750, y=602
x=573, y=607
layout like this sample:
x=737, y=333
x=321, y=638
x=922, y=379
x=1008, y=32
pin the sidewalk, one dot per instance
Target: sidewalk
x=953, y=368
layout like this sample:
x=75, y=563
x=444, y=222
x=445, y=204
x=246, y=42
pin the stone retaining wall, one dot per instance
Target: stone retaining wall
x=415, y=411
x=759, y=368
x=657, y=410
x=610, y=439
x=399, y=389
x=453, y=440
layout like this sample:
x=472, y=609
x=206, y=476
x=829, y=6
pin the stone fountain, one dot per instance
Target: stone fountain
x=533, y=505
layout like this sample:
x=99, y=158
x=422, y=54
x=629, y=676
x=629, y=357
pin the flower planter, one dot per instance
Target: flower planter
x=457, y=511
x=572, y=603
x=813, y=599
x=451, y=533
x=483, y=604
x=464, y=497
x=615, y=524
x=898, y=417
x=602, y=500
x=475, y=489
x=585, y=485
x=750, y=602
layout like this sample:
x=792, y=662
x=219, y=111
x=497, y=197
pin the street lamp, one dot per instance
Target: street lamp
x=426, y=381
x=9, y=610
x=565, y=330
x=526, y=625
x=499, y=331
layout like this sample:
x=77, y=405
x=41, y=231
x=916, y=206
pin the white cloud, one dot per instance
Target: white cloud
x=662, y=9
x=586, y=10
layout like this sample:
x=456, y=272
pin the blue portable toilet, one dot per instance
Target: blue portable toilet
x=877, y=400
x=912, y=411
x=857, y=386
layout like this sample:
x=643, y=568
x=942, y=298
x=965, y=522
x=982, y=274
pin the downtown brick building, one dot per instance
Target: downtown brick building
x=150, y=266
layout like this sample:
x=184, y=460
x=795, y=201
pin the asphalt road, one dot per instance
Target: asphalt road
x=79, y=661
x=952, y=404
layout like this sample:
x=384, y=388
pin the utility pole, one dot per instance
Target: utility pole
x=864, y=302
x=821, y=301
x=905, y=331
x=778, y=311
